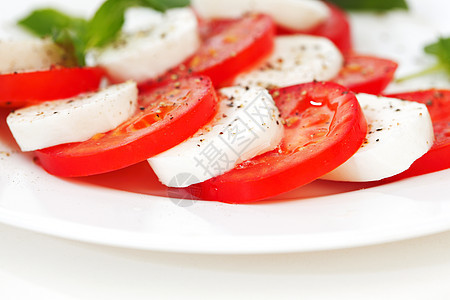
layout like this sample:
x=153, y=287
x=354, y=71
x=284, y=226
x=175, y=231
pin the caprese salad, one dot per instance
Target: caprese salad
x=246, y=99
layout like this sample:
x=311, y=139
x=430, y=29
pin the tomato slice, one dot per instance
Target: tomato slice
x=438, y=157
x=229, y=48
x=210, y=27
x=168, y=115
x=336, y=28
x=27, y=88
x=366, y=74
x=324, y=127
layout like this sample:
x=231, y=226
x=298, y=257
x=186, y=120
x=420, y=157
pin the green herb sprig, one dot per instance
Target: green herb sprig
x=78, y=35
x=370, y=5
x=441, y=50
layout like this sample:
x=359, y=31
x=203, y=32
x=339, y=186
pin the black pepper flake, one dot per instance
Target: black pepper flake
x=379, y=129
x=438, y=94
x=221, y=132
x=230, y=104
x=398, y=109
x=377, y=140
x=142, y=108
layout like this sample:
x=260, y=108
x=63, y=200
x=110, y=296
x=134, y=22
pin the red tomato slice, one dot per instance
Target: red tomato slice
x=366, y=74
x=236, y=47
x=336, y=28
x=211, y=27
x=168, y=115
x=324, y=127
x=22, y=89
x=438, y=157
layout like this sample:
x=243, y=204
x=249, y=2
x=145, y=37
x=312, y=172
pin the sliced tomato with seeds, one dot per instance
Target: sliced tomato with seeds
x=27, y=88
x=438, y=157
x=366, y=74
x=324, y=127
x=210, y=27
x=168, y=115
x=237, y=46
x=336, y=28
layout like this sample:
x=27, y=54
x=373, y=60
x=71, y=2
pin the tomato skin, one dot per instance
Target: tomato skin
x=366, y=74
x=321, y=137
x=28, y=88
x=188, y=104
x=336, y=28
x=229, y=48
x=235, y=49
x=438, y=157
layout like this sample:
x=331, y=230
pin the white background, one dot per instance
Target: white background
x=35, y=266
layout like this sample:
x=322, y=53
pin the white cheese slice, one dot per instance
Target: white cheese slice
x=247, y=124
x=146, y=54
x=29, y=55
x=292, y=14
x=74, y=119
x=399, y=132
x=296, y=59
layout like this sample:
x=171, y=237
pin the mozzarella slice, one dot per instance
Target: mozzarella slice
x=143, y=55
x=399, y=132
x=29, y=55
x=292, y=14
x=247, y=124
x=73, y=120
x=296, y=59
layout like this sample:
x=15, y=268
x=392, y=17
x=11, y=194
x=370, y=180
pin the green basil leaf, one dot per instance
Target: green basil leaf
x=107, y=22
x=370, y=5
x=44, y=22
x=166, y=4
x=441, y=49
x=109, y=18
x=78, y=35
x=66, y=31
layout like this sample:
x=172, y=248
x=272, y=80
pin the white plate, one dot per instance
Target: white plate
x=129, y=208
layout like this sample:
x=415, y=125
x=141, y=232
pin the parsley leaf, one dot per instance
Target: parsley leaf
x=440, y=49
x=78, y=35
x=370, y=5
